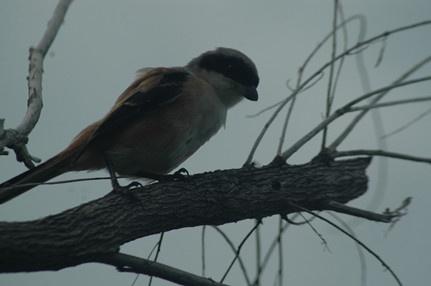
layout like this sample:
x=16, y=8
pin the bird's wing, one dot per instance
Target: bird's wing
x=153, y=89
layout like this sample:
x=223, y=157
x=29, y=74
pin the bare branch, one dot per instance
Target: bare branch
x=381, y=52
x=385, y=265
x=238, y=250
x=203, y=258
x=331, y=70
x=266, y=127
x=234, y=250
x=263, y=110
x=159, y=247
x=341, y=111
x=81, y=234
x=285, y=124
x=362, y=261
x=398, y=212
x=408, y=124
x=300, y=87
x=311, y=84
x=390, y=103
x=319, y=235
x=16, y=139
x=355, y=121
x=380, y=153
x=258, y=250
x=359, y=18
x=128, y=263
x=280, y=252
x=349, y=51
x=340, y=208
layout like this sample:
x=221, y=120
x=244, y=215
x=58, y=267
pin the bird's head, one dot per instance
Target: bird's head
x=232, y=74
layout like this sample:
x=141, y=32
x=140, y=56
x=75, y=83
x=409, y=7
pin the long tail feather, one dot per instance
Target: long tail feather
x=24, y=182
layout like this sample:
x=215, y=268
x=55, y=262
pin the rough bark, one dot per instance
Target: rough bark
x=97, y=228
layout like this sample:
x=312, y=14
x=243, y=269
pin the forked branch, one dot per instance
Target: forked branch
x=16, y=139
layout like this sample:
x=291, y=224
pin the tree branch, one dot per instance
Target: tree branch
x=341, y=111
x=363, y=152
x=128, y=263
x=350, y=51
x=98, y=228
x=16, y=139
x=358, y=117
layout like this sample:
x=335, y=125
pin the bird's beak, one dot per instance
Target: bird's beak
x=251, y=94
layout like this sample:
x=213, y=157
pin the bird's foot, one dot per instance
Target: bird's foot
x=128, y=190
x=181, y=175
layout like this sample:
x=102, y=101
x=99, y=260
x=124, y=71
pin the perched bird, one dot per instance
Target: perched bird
x=159, y=121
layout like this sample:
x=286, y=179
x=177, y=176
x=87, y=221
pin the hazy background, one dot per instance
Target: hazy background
x=94, y=57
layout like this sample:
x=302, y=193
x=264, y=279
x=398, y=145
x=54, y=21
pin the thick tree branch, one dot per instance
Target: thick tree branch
x=98, y=228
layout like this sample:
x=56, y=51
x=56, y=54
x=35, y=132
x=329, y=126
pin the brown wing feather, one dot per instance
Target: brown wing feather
x=154, y=88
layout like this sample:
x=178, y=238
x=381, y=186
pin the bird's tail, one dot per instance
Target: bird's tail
x=53, y=167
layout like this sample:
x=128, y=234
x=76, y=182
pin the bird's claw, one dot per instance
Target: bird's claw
x=181, y=175
x=134, y=185
x=128, y=190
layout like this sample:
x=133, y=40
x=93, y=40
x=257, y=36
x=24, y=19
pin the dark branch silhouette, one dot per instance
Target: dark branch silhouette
x=98, y=228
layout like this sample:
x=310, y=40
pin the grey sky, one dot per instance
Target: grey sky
x=95, y=56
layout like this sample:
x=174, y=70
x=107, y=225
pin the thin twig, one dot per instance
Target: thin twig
x=355, y=121
x=234, y=249
x=280, y=252
x=341, y=62
x=237, y=252
x=135, y=280
x=382, y=170
x=128, y=263
x=381, y=52
x=300, y=87
x=302, y=70
x=290, y=110
x=258, y=250
x=341, y=111
x=286, y=123
x=322, y=239
x=398, y=212
x=362, y=261
x=265, y=128
x=272, y=247
x=364, y=152
x=408, y=124
x=370, y=251
x=349, y=51
x=159, y=247
x=344, y=209
x=263, y=110
x=59, y=182
x=148, y=257
x=272, y=106
x=359, y=18
x=378, y=127
x=203, y=259
x=390, y=103
x=331, y=71
x=345, y=46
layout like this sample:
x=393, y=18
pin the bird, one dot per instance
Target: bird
x=164, y=116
